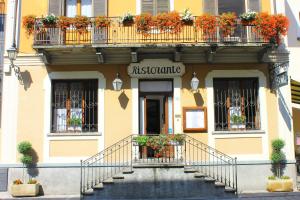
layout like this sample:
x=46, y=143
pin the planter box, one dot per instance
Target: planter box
x=280, y=185
x=237, y=126
x=25, y=190
x=231, y=39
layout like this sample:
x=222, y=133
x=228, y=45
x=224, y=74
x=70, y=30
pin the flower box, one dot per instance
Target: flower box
x=238, y=126
x=231, y=39
x=280, y=185
x=25, y=190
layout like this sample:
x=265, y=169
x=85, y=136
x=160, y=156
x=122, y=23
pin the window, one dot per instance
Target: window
x=155, y=6
x=218, y=7
x=71, y=8
x=74, y=106
x=236, y=104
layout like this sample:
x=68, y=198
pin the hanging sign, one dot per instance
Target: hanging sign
x=156, y=68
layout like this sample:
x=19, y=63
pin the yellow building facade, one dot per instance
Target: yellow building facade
x=64, y=101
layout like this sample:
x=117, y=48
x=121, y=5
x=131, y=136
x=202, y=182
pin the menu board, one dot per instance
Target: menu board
x=194, y=119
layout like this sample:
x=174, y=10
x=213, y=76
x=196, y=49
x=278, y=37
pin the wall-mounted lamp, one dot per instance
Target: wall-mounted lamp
x=117, y=83
x=12, y=54
x=194, y=82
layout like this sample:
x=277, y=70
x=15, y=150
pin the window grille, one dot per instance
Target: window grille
x=74, y=106
x=236, y=104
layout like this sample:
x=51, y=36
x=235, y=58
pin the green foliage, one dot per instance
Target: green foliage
x=32, y=181
x=278, y=157
x=24, y=147
x=236, y=119
x=26, y=159
x=141, y=140
x=277, y=144
x=178, y=138
x=74, y=121
x=272, y=177
x=50, y=20
x=285, y=177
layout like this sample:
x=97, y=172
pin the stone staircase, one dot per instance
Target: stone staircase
x=160, y=182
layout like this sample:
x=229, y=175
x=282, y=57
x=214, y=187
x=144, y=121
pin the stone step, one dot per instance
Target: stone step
x=208, y=179
x=128, y=172
x=219, y=184
x=89, y=192
x=199, y=175
x=118, y=177
x=190, y=170
x=98, y=187
x=108, y=181
x=230, y=190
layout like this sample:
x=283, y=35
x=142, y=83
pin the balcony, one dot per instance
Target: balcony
x=119, y=44
x=118, y=34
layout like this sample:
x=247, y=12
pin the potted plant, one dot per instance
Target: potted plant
x=141, y=140
x=102, y=22
x=144, y=23
x=208, y=25
x=187, y=18
x=227, y=22
x=75, y=124
x=278, y=182
x=81, y=23
x=127, y=19
x=64, y=22
x=177, y=139
x=18, y=189
x=237, y=122
x=248, y=18
x=271, y=27
x=169, y=22
x=28, y=23
x=50, y=21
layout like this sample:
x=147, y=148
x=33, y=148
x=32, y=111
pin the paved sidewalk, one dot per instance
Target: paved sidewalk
x=248, y=196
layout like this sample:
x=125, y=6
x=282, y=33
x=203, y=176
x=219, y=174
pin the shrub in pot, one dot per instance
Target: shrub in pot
x=18, y=188
x=127, y=19
x=278, y=182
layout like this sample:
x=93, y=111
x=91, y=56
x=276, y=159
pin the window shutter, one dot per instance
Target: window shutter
x=254, y=5
x=147, y=6
x=209, y=6
x=57, y=7
x=162, y=6
x=100, y=7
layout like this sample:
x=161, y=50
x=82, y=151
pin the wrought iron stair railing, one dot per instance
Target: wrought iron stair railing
x=189, y=152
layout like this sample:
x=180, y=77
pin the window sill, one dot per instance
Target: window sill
x=74, y=134
x=238, y=132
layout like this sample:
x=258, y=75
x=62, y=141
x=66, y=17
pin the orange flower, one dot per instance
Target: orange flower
x=64, y=22
x=28, y=23
x=81, y=23
x=144, y=22
x=208, y=24
x=169, y=22
x=228, y=23
x=102, y=21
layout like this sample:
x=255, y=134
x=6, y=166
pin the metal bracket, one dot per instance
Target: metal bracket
x=46, y=57
x=177, y=54
x=211, y=52
x=100, y=56
x=134, y=55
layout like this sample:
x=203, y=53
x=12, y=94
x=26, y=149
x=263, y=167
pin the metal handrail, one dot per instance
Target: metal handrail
x=190, y=152
x=117, y=33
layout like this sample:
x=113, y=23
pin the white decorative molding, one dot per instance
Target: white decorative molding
x=135, y=105
x=177, y=105
x=138, y=7
x=263, y=107
x=47, y=111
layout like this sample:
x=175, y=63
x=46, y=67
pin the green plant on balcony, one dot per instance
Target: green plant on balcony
x=169, y=22
x=127, y=19
x=187, y=17
x=227, y=22
x=248, y=18
x=81, y=23
x=50, y=21
x=208, y=25
x=102, y=22
x=28, y=23
x=141, y=140
x=64, y=22
x=144, y=23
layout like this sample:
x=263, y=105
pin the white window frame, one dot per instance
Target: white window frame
x=246, y=6
x=48, y=136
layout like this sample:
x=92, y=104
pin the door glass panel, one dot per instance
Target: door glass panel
x=142, y=116
x=156, y=86
x=170, y=115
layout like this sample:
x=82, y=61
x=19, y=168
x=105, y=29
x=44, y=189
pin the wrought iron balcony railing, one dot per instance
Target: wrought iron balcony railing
x=117, y=33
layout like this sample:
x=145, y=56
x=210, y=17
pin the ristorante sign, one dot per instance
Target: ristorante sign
x=156, y=68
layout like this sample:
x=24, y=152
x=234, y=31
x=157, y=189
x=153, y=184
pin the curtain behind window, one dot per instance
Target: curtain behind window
x=86, y=8
x=71, y=8
x=237, y=6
